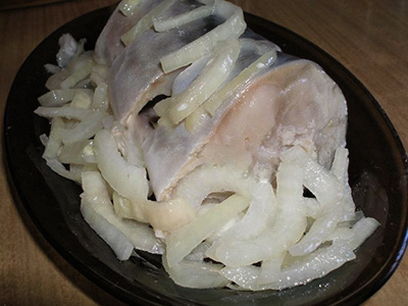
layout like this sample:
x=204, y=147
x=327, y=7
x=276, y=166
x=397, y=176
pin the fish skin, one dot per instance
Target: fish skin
x=108, y=45
x=254, y=128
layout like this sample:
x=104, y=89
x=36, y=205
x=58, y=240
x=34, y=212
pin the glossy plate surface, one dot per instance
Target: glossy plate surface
x=378, y=176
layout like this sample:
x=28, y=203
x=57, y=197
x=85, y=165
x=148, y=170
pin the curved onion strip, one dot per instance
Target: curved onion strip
x=340, y=170
x=233, y=27
x=188, y=75
x=73, y=153
x=164, y=216
x=193, y=274
x=126, y=179
x=59, y=97
x=96, y=198
x=161, y=25
x=128, y=7
x=331, y=194
x=54, y=140
x=240, y=81
x=100, y=100
x=82, y=99
x=287, y=229
x=182, y=241
x=68, y=112
x=210, y=79
x=313, y=266
x=59, y=168
x=196, y=118
x=195, y=187
x=145, y=22
x=85, y=129
x=81, y=68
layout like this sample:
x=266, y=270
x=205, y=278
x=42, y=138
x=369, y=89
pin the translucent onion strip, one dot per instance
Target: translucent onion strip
x=54, y=140
x=145, y=22
x=59, y=97
x=84, y=129
x=128, y=7
x=240, y=81
x=165, y=216
x=162, y=25
x=181, y=242
x=126, y=179
x=96, y=199
x=233, y=27
x=195, y=274
x=67, y=112
x=210, y=79
x=286, y=230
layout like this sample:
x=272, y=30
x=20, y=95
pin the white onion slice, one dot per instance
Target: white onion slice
x=96, y=200
x=164, y=216
x=240, y=81
x=145, y=22
x=68, y=112
x=161, y=24
x=182, y=241
x=126, y=179
x=205, y=180
x=82, y=98
x=193, y=274
x=232, y=28
x=54, y=142
x=80, y=68
x=287, y=228
x=86, y=129
x=210, y=79
x=59, y=97
x=59, y=168
x=188, y=75
x=128, y=7
x=100, y=99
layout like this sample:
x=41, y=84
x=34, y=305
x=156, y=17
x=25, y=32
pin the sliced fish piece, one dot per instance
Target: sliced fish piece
x=294, y=103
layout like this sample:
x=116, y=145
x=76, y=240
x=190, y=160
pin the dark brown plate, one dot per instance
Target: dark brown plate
x=378, y=175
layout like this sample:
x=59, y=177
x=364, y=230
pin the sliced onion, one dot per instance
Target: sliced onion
x=288, y=226
x=82, y=98
x=188, y=75
x=161, y=24
x=85, y=129
x=195, y=274
x=145, y=22
x=63, y=111
x=54, y=142
x=73, y=153
x=240, y=81
x=232, y=28
x=182, y=241
x=59, y=168
x=80, y=68
x=126, y=179
x=99, y=74
x=210, y=79
x=205, y=180
x=128, y=7
x=68, y=49
x=164, y=216
x=96, y=200
x=59, y=97
x=196, y=119
x=100, y=99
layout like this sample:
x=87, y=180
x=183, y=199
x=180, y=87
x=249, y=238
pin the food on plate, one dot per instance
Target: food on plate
x=195, y=138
